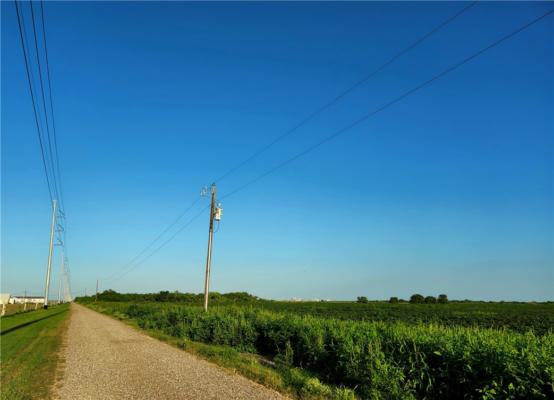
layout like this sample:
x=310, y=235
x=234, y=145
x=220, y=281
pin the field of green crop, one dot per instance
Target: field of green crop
x=28, y=348
x=520, y=317
x=403, y=357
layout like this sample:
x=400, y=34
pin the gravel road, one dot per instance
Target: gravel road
x=106, y=359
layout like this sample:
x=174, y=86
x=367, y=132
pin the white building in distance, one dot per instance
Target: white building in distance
x=28, y=299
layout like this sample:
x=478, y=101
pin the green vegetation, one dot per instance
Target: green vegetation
x=417, y=299
x=277, y=375
x=173, y=297
x=519, y=317
x=376, y=359
x=430, y=299
x=29, y=352
x=443, y=299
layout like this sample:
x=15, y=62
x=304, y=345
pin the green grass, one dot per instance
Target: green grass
x=375, y=359
x=294, y=382
x=515, y=316
x=29, y=347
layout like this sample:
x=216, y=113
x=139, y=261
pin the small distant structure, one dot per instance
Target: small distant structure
x=28, y=299
x=4, y=299
x=299, y=300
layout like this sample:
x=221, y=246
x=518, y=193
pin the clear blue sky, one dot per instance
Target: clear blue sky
x=449, y=191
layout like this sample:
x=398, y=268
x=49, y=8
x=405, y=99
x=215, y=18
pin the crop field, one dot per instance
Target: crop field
x=520, y=317
x=29, y=345
x=378, y=350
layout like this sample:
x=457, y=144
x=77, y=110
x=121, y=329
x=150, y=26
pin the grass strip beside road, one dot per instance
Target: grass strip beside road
x=29, y=346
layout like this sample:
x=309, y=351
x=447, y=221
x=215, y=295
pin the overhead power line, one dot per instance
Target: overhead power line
x=156, y=239
x=51, y=104
x=54, y=179
x=49, y=154
x=33, y=100
x=324, y=107
x=348, y=127
x=386, y=105
x=182, y=228
x=345, y=92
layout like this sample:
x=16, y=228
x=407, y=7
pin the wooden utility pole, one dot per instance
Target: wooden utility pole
x=50, y=254
x=96, y=298
x=209, y=257
x=25, y=301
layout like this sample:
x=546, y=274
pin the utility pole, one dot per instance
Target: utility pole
x=50, y=254
x=25, y=301
x=209, y=257
x=60, y=282
x=85, y=292
x=96, y=298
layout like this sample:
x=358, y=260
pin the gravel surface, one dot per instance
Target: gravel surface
x=106, y=359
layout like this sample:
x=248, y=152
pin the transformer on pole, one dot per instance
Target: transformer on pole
x=215, y=214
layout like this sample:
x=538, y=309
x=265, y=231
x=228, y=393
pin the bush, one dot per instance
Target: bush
x=417, y=299
x=393, y=300
x=430, y=299
x=362, y=299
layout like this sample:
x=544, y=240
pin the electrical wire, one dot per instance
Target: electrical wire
x=346, y=128
x=48, y=157
x=33, y=101
x=164, y=243
x=51, y=104
x=337, y=98
x=156, y=239
x=387, y=105
x=345, y=92
x=44, y=103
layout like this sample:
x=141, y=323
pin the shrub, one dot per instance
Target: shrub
x=416, y=299
x=362, y=299
x=430, y=299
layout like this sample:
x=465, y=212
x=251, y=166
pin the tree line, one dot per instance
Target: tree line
x=414, y=299
x=166, y=296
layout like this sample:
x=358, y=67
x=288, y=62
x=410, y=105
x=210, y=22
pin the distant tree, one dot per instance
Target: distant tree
x=163, y=296
x=430, y=299
x=402, y=300
x=393, y=300
x=443, y=299
x=362, y=299
x=417, y=299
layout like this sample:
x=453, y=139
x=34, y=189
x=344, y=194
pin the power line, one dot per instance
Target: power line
x=348, y=127
x=51, y=105
x=156, y=239
x=54, y=134
x=33, y=100
x=48, y=158
x=44, y=102
x=334, y=100
x=164, y=243
x=387, y=105
x=345, y=92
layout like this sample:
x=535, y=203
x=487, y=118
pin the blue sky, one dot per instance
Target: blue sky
x=448, y=191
